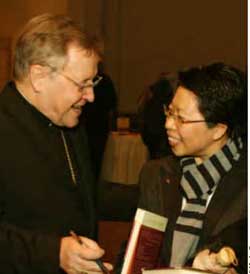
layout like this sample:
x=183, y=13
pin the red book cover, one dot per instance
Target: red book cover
x=144, y=242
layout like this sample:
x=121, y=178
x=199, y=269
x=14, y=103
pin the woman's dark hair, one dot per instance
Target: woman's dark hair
x=222, y=95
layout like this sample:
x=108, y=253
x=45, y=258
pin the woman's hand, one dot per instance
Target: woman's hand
x=205, y=260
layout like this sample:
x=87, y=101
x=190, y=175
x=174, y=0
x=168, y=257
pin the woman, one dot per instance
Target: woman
x=202, y=189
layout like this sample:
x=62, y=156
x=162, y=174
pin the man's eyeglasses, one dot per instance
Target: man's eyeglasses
x=178, y=119
x=80, y=86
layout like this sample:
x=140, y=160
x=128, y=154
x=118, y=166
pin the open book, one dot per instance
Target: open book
x=185, y=270
x=144, y=242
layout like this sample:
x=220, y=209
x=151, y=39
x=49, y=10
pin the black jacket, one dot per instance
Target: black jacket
x=225, y=220
x=39, y=203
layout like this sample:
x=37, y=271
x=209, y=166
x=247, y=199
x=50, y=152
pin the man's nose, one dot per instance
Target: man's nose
x=89, y=94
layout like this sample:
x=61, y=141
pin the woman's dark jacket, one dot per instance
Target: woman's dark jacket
x=225, y=220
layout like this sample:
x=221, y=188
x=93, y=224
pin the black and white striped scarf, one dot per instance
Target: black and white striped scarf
x=198, y=182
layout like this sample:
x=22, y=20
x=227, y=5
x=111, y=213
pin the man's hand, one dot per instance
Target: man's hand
x=76, y=258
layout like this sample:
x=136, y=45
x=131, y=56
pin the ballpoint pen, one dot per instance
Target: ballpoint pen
x=98, y=261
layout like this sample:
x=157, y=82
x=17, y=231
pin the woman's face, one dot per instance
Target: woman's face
x=188, y=133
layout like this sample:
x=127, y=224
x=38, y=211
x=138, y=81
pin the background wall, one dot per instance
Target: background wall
x=144, y=38
x=14, y=13
x=165, y=36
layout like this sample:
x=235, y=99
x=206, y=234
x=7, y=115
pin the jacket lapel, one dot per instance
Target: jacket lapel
x=220, y=202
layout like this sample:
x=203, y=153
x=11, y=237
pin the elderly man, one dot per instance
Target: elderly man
x=202, y=191
x=45, y=176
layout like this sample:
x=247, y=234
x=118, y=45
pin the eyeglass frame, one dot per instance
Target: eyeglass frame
x=80, y=86
x=168, y=113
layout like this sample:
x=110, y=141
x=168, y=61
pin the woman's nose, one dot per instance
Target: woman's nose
x=170, y=122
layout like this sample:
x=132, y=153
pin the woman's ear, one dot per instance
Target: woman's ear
x=38, y=74
x=219, y=131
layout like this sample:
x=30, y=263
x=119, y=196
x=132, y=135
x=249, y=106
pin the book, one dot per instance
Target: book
x=181, y=270
x=144, y=242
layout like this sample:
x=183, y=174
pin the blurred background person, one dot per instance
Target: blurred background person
x=99, y=118
x=151, y=117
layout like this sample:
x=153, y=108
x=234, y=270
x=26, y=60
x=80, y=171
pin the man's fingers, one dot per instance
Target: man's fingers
x=90, y=250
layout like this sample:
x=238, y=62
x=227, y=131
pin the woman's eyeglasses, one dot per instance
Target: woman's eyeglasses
x=177, y=118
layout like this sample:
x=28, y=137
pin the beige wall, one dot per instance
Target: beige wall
x=146, y=37
x=165, y=35
x=14, y=13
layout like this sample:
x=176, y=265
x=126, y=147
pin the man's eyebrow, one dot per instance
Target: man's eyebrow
x=88, y=79
x=85, y=81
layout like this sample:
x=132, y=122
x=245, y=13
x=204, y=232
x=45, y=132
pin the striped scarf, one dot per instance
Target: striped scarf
x=198, y=182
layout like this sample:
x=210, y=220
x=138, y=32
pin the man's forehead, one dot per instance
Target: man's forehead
x=79, y=61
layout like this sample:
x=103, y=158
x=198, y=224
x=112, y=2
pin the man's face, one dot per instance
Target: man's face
x=62, y=100
x=189, y=139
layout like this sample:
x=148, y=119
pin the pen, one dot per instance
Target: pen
x=98, y=261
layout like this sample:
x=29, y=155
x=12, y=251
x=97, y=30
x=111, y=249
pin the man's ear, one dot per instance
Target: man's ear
x=37, y=76
x=219, y=131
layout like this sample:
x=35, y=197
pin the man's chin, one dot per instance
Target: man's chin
x=70, y=123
